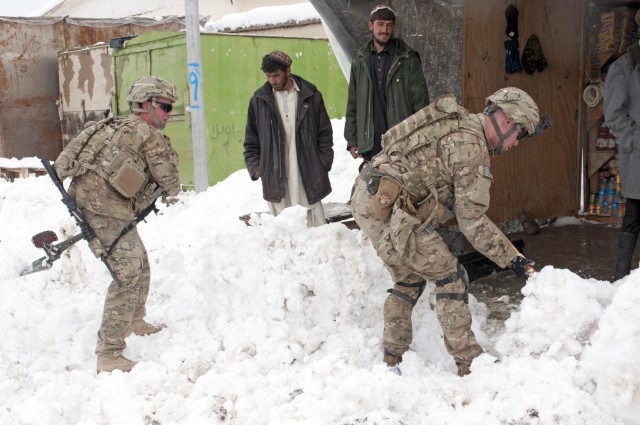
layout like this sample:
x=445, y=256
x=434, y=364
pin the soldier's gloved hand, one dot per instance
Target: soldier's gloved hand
x=522, y=266
x=97, y=248
x=169, y=200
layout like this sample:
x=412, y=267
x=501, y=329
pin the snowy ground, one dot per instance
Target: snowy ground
x=280, y=324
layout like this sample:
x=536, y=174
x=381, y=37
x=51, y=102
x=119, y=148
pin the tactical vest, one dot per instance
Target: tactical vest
x=96, y=148
x=411, y=155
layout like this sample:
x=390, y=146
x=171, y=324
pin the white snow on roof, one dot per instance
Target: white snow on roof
x=260, y=16
x=42, y=10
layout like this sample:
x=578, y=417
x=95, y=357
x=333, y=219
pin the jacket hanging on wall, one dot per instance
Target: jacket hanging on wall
x=512, y=60
x=532, y=57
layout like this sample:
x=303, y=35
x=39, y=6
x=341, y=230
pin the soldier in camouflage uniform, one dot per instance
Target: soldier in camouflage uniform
x=434, y=165
x=129, y=159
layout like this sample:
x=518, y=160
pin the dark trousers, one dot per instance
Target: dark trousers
x=631, y=220
x=628, y=238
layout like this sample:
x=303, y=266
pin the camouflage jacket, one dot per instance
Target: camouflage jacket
x=135, y=137
x=450, y=159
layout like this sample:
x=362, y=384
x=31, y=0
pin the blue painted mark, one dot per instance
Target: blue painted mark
x=195, y=74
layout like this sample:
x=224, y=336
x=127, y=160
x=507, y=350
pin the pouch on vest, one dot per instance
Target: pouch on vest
x=127, y=176
x=382, y=202
x=433, y=213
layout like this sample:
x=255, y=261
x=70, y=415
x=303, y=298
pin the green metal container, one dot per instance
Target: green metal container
x=231, y=73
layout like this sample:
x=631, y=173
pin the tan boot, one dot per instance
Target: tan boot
x=142, y=328
x=391, y=360
x=463, y=369
x=106, y=363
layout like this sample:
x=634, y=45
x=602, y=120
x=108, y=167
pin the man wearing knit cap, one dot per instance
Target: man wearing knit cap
x=289, y=140
x=386, y=86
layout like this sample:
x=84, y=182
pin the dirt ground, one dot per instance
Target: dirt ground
x=589, y=250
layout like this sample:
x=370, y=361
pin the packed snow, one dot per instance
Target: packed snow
x=277, y=323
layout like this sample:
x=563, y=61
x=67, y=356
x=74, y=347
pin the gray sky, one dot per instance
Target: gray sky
x=21, y=7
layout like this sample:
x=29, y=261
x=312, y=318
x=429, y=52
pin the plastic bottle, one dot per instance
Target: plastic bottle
x=602, y=192
x=621, y=207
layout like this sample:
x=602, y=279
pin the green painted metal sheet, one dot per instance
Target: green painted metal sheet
x=231, y=73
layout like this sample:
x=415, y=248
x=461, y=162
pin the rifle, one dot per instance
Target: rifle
x=45, y=239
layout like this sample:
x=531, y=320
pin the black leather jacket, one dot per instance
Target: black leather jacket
x=264, y=147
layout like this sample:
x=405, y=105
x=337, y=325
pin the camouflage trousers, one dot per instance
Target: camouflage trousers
x=412, y=257
x=130, y=264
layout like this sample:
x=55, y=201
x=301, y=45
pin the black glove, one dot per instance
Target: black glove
x=522, y=266
x=511, y=13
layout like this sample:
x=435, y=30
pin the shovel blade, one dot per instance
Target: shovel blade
x=44, y=239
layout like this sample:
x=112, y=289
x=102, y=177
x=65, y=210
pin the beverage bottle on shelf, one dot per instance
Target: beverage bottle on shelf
x=602, y=196
x=593, y=197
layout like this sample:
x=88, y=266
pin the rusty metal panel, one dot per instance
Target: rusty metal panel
x=86, y=84
x=30, y=122
x=29, y=84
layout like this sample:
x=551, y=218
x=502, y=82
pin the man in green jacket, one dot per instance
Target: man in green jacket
x=386, y=86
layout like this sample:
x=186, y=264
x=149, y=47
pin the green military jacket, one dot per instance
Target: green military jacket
x=406, y=93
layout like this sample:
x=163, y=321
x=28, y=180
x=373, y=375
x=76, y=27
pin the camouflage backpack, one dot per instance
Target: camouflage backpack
x=96, y=148
x=84, y=147
x=409, y=149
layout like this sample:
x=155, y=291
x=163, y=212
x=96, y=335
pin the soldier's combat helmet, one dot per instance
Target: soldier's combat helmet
x=147, y=88
x=517, y=105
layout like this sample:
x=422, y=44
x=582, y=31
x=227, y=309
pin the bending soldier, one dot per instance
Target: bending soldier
x=116, y=165
x=434, y=165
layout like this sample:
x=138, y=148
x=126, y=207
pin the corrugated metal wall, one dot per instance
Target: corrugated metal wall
x=29, y=118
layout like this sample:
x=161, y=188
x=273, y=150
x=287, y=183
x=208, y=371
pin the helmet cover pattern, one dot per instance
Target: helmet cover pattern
x=151, y=87
x=517, y=105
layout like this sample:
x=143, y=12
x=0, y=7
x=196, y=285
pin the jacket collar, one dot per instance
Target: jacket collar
x=401, y=48
x=306, y=89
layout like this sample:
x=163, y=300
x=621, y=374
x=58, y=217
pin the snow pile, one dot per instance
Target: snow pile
x=276, y=323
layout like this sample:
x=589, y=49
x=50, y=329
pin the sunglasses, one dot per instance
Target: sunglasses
x=522, y=133
x=166, y=107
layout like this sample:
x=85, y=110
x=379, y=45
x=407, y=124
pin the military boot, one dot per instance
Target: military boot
x=463, y=369
x=391, y=359
x=106, y=363
x=142, y=328
x=393, y=362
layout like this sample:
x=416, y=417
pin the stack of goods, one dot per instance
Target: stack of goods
x=605, y=140
x=617, y=30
